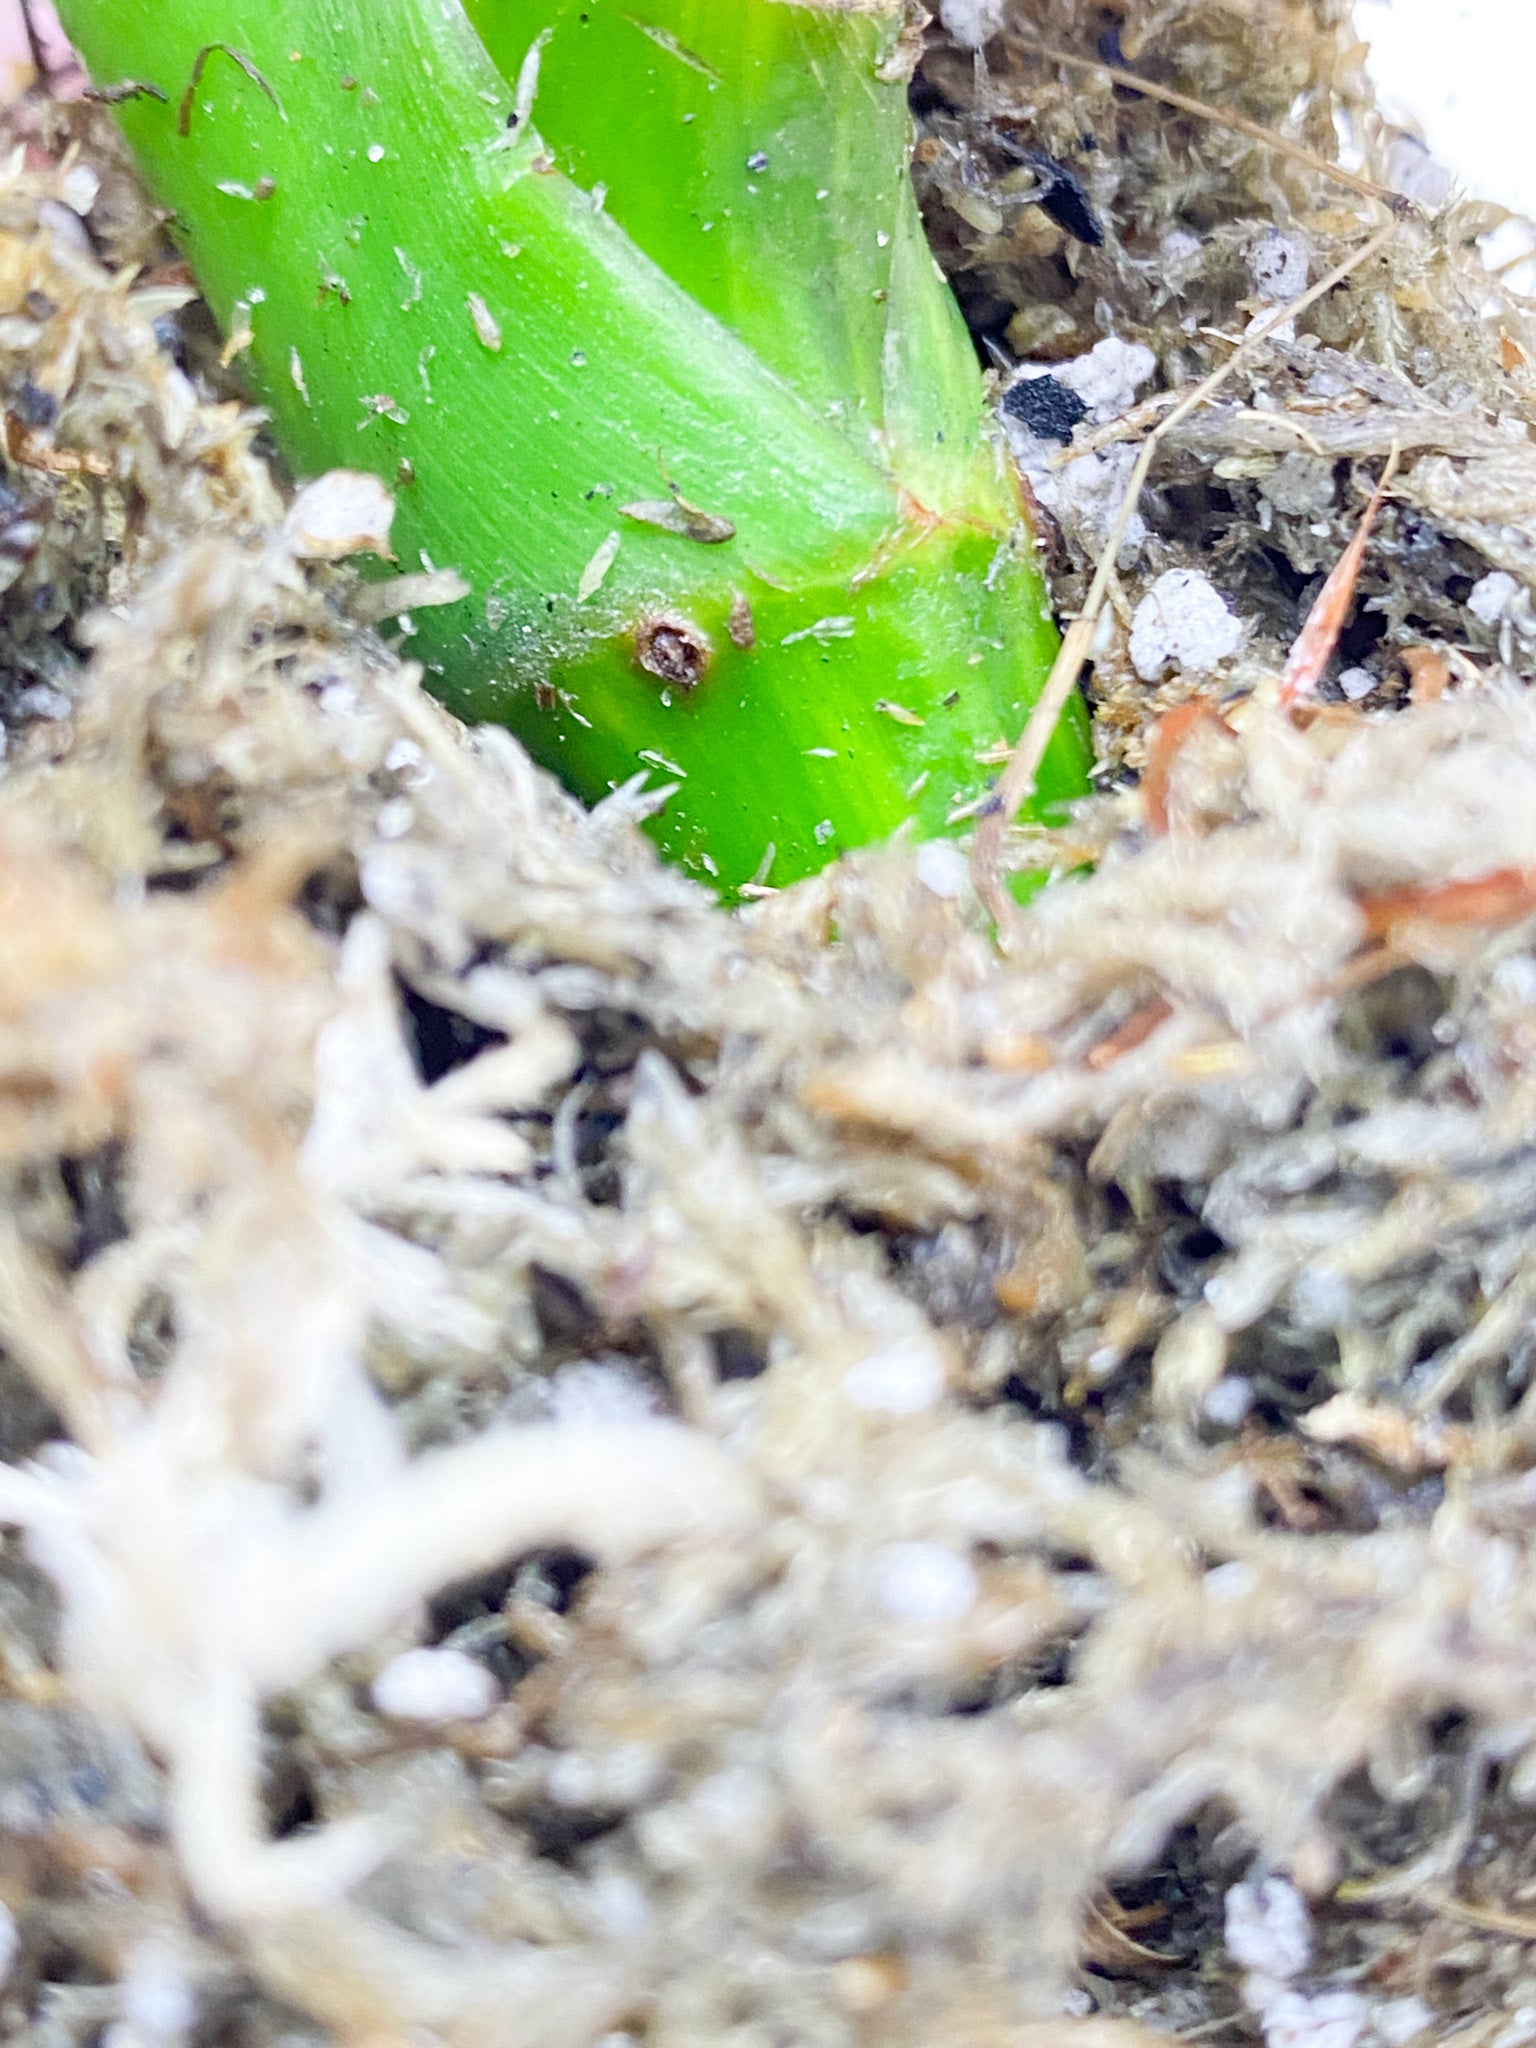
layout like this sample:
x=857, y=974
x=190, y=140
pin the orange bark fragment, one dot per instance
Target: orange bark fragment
x=1172, y=731
x=1429, y=673
x=1018, y=1052
x=1136, y=1030
x=1330, y=608
x=1502, y=897
x=32, y=452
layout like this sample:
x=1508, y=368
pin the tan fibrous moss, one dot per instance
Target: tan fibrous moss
x=954, y=1460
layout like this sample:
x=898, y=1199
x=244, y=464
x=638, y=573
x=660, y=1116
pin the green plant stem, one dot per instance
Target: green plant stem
x=428, y=294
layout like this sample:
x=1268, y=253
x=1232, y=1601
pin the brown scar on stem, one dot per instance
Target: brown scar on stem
x=673, y=649
x=200, y=65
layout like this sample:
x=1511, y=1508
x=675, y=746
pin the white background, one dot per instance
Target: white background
x=1467, y=70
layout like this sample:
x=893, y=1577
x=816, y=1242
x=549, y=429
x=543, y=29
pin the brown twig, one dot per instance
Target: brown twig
x=1490, y=1919
x=1224, y=117
x=1124, y=427
x=1018, y=779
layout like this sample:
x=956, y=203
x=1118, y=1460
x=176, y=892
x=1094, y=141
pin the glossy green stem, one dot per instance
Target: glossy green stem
x=431, y=295
x=759, y=156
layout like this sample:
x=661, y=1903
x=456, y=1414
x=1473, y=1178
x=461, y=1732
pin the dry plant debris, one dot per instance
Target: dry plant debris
x=585, y=1469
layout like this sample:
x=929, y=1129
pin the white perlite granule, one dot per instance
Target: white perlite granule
x=590, y=1394
x=972, y=22
x=1492, y=596
x=1229, y=1401
x=1269, y=1927
x=1108, y=377
x=902, y=1378
x=1085, y=495
x=924, y=1582
x=1401, y=2020
x=1183, y=623
x=943, y=868
x=1320, y=2019
x=1088, y=496
x=159, y=2005
x=434, y=1685
x=1280, y=266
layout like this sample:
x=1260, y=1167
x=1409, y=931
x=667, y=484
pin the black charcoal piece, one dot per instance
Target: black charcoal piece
x=1046, y=406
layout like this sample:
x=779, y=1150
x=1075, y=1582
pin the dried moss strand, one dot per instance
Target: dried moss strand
x=1226, y=117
